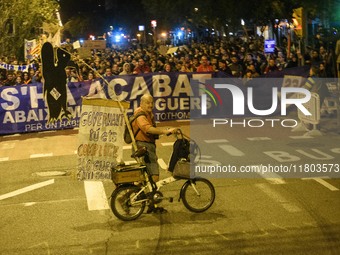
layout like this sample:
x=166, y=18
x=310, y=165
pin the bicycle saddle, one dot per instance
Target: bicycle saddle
x=140, y=152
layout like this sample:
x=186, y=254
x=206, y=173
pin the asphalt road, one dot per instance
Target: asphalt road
x=255, y=214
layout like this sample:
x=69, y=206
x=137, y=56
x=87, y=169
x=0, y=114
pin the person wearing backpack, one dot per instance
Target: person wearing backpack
x=146, y=133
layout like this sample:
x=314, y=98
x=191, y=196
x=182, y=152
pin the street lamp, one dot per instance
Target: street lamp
x=141, y=28
x=154, y=25
x=245, y=30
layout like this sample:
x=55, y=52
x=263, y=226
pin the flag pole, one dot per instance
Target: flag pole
x=126, y=118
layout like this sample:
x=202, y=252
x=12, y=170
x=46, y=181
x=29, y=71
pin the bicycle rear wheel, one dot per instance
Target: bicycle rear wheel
x=198, y=195
x=124, y=203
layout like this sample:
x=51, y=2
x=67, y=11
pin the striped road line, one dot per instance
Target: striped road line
x=162, y=164
x=27, y=189
x=95, y=195
x=300, y=137
x=286, y=204
x=216, y=141
x=185, y=120
x=271, y=177
x=231, y=150
x=259, y=138
x=323, y=182
x=41, y=155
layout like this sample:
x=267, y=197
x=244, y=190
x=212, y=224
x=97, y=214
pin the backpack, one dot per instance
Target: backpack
x=127, y=136
x=183, y=149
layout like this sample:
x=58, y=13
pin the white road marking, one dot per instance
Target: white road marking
x=287, y=205
x=95, y=195
x=14, y=135
x=221, y=235
x=231, y=150
x=41, y=155
x=259, y=138
x=272, y=178
x=29, y=204
x=279, y=227
x=162, y=164
x=275, y=180
x=301, y=137
x=216, y=141
x=7, y=146
x=48, y=131
x=186, y=120
x=323, y=182
x=27, y=189
x=4, y=159
x=168, y=144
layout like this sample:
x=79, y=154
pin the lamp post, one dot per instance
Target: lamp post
x=245, y=30
x=141, y=28
x=154, y=25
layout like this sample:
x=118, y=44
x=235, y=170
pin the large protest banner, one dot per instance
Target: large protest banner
x=101, y=141
x=23, y=109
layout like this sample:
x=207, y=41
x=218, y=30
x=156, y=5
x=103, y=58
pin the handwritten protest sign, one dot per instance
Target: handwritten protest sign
x=101, y=128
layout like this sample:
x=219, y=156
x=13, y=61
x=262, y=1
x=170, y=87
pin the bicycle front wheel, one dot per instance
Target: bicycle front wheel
x=125, y=204
x=198, y=195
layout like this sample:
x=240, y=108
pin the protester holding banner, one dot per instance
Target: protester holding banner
x=96, y=88
x=10, y=81
x=18, y=81
x=204, y=66
x=141, y=67
x=126, y=69
x=26, y=78
x=36, y=75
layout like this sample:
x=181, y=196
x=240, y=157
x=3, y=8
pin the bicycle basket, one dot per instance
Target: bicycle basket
x=127, y=174
x=182, y=169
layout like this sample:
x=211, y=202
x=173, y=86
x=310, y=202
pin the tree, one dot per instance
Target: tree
x=82, y=25
x=23, y=19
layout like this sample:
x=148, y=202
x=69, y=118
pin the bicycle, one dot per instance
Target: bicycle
x=135, y=188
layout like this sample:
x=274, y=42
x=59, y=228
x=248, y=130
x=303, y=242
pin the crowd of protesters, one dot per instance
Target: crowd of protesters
x=234, y=57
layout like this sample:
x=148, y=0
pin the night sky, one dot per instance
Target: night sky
x=115, y=11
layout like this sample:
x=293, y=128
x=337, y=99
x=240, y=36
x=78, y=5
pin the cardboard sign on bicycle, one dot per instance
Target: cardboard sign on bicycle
x=101, y=128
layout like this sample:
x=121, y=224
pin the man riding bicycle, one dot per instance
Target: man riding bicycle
x=146, y=133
